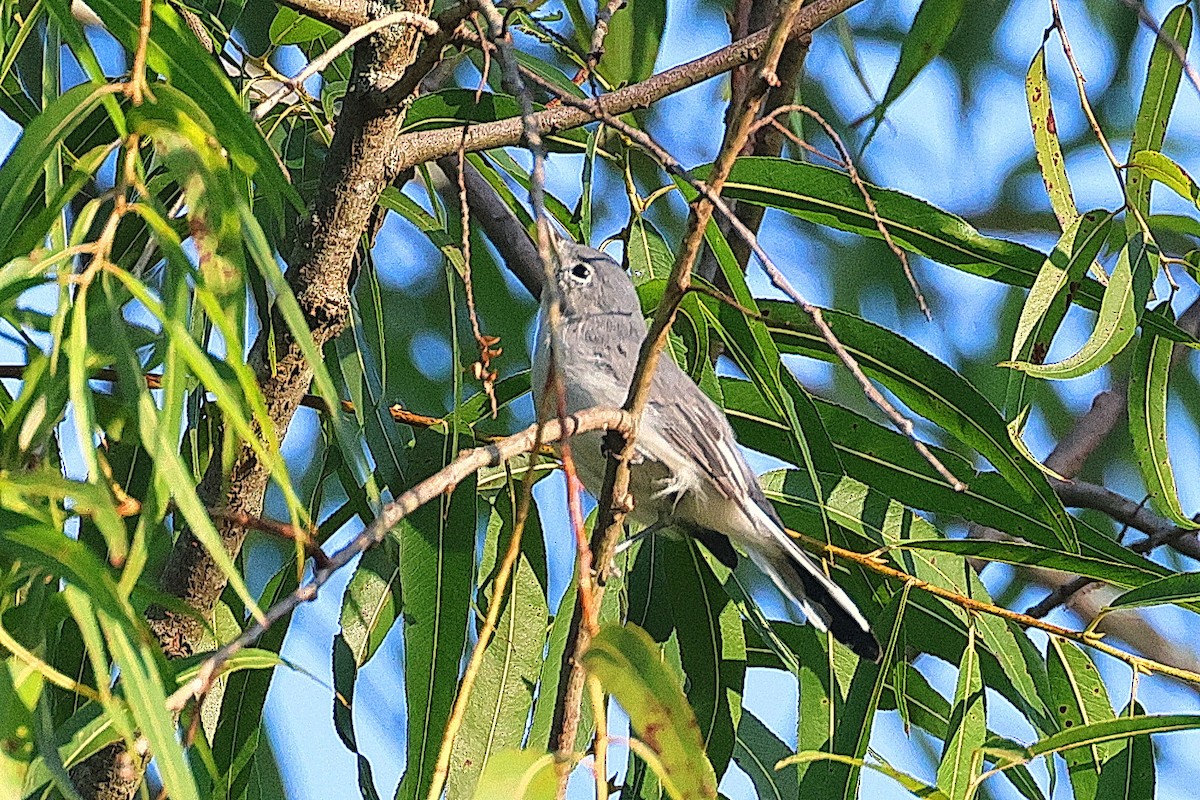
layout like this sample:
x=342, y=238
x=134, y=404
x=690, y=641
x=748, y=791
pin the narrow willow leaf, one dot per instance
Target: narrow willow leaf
x=23, y=167
x=1158, y=167
x=931, y=712
x=1080, y=699
x=1178, y=589
x=1120, y=312
x=82, y=734
x=967, y=728
x=756, y=752
x=453, y=107
x=372, y=601
x=748, y=342
x=518, y=775
x=631, y=47
x=931, y=29
x=841, y=779
x=629, y=666
x=292, y=27
x=886, y=459
x=1148, y=376
x=1113, y=730
x=240, y=733
x=139, y=661
x=1091, y=566
x=1050, y=297
x=1045, y=141
x=20, y=689
x=436, y=565
x=828, y=197
x=866, y=520
x=175, y=52
x=496, y=715
x=345, y=679
x=1154, y=111
x=917, y=787
x=712, y=647
x=931, y=389
x=1129, y=775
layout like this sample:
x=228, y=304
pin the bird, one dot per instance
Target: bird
x=687, y=471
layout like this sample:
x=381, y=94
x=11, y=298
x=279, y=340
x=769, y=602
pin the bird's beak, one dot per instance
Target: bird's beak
x=558, y=242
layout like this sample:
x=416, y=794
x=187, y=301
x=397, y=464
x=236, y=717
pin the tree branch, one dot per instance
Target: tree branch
x=416, y=148
x=441, y=482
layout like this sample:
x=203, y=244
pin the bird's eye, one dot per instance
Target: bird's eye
x=581, y=272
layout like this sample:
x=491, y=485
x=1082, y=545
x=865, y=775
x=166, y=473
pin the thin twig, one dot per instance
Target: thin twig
x=1086, y=637
x=1171, y=42
x=428, y=26
x=860, y=184
x=283, y=530
x=442, y=481
x=487, y=344
x=137, y=87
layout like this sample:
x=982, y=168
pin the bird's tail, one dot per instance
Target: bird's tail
x=823, y=602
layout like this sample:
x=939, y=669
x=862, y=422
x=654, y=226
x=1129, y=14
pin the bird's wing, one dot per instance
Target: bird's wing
x=693, y=425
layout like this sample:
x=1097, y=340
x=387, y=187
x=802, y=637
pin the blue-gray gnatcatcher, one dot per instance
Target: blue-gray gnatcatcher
x=687, y=471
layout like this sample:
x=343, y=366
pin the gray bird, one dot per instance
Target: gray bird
x=687, y=471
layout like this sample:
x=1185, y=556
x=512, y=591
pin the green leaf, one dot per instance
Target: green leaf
x=1120, y=312
x=757, y=751
x=931, y=29
x=1090, y=566
x=292, y=27
x=497, y=712
x=1178, y=589
x=372, y=601
x=1148, y=376
x=175, y=52
x=931, y=389
x=450, y=108
x=1157, y=167
x=967, y=729
x=436, y=565
x=40, y=139
x=20, y=688
x=1129, y=775
x=345, y=675
x=139, y=661
x=518, y=775
x=629, y=666
x=1113, y=730
x=240, y=733
x=887, y=460
x=1079, y=699
x=828, y=197
x=712, y=646
x=840, y=779
x=1050, y=297
x=749, y=344
x=1154, y=111
x=631, y=46
x=1045, y=141
x=917, y=787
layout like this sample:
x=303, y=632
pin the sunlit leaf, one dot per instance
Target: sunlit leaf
x=627, y=662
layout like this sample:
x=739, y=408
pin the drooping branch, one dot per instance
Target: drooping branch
x=441, y=482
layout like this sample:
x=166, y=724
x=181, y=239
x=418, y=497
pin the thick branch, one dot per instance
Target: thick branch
x=355, y=174
x=416, y=148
